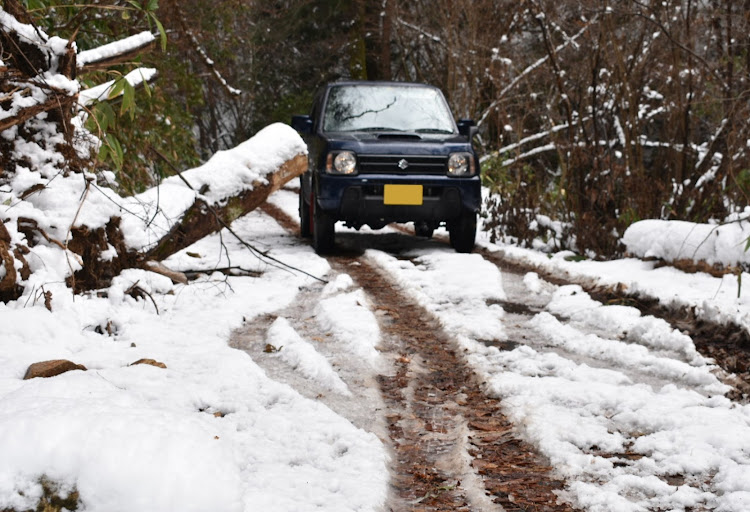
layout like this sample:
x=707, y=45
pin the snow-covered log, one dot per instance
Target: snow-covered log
x=715, y=248
x=201, y=218
x=93, y=233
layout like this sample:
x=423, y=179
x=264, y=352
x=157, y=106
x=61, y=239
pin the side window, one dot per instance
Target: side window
x=317, y=107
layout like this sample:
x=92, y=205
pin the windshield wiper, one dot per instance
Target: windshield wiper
x=377, y=129
x=432, y=130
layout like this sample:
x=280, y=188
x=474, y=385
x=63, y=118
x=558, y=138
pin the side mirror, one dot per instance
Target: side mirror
x=303, y=124
x=467, y=128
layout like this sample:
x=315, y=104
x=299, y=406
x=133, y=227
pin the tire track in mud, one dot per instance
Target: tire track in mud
x=452, y=448
x=363, y=401
x=444, y=430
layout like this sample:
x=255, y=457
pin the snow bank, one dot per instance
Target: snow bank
x=303, y=357
x=210, y=431
x=675, y=240
x=620, y=412
x=619, y=402
x=459, y=289
x=350, y=318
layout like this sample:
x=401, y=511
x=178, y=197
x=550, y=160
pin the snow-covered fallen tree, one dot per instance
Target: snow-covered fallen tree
x=60, y=222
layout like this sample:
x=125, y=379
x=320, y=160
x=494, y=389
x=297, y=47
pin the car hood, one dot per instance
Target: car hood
x=397, y=143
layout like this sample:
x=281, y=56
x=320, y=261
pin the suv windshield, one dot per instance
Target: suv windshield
x=353, y=108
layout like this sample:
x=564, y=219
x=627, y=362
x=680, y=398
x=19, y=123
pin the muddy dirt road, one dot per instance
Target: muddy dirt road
x=452, y=447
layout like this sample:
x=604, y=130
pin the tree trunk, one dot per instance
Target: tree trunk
x=202, y=219
x=197, y=221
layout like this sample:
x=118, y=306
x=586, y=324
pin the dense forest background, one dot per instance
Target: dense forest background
x=593, y=114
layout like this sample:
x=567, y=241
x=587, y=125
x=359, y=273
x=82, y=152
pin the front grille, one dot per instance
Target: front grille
x=389, y=164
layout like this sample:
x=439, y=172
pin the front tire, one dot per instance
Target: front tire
x=323, y=230
x=463, y=232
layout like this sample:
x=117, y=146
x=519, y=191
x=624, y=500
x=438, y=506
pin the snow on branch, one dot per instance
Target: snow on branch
x=533, y=152
x=526, y=140
x=115, y=52
x=428, y=35
x=136, y=78
x=532, y=67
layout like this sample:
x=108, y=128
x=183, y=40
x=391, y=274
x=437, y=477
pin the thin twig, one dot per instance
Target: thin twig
x=134, y=289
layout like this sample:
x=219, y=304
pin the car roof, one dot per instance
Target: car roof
x=379, y=82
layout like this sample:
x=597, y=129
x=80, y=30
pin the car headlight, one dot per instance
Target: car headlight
x=344, y=162
x=461, y=164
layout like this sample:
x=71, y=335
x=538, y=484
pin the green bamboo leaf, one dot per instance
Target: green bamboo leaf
x=146, y=87
x=114, y=151
x=104, y=152
x=34, y=5
x=103, y=120
x=128, y=99
x=117, y=88
x=108, y=115
x=162, y=33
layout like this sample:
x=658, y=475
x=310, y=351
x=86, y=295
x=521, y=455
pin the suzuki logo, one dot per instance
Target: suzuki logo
x=403, y=164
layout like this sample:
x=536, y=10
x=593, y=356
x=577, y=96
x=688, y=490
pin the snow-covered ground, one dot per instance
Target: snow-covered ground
x=623, y=405
x=237, y=418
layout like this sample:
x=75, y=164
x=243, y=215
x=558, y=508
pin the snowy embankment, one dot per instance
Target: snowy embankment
x=721, y=300
x=715, y=244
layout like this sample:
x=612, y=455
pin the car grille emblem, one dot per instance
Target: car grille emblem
x=403, y=164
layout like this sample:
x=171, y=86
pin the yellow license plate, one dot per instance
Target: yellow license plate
x=402, y=194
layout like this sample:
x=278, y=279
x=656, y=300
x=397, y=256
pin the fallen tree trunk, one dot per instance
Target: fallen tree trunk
x=213, y=206
x=201, y=219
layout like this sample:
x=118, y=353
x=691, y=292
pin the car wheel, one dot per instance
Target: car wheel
x=323, y=230
x=463, y=232
x=423, y=229
x=305, y=229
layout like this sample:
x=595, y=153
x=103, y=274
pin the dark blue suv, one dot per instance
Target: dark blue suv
x=382, y=152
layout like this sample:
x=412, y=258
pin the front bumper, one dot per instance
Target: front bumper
x=359, y=199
